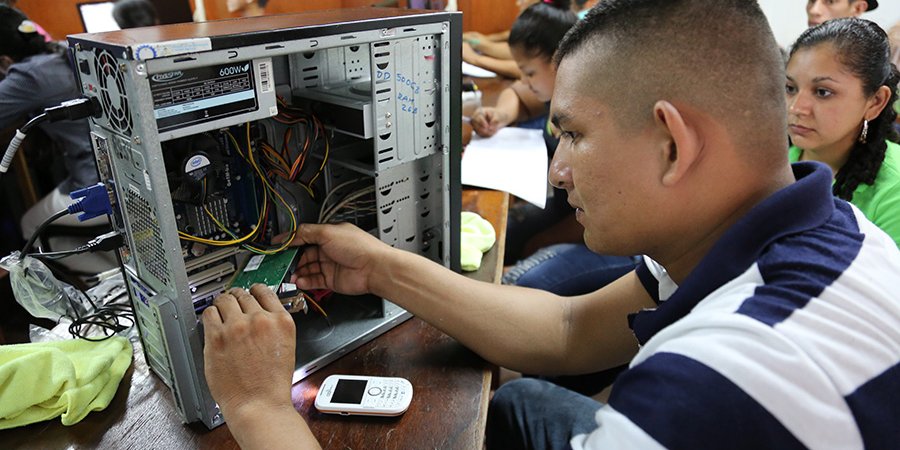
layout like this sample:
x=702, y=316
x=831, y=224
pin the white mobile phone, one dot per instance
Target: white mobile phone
x=364, y=395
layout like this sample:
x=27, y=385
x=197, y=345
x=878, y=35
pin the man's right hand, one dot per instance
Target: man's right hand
x=487, y=121
x=340, y=257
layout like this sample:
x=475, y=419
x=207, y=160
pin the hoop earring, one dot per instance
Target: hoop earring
x=865, y=131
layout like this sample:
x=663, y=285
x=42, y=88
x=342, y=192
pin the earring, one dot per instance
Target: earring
x=865, y=131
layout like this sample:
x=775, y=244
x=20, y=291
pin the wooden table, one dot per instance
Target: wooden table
x=449, y=409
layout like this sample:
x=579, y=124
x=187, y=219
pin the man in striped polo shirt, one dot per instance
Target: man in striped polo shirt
x=775, y=321
x=765, y=314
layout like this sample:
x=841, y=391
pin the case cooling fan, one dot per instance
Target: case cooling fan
x=112, y=93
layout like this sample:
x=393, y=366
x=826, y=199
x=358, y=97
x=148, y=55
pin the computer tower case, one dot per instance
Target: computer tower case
x=215, y=137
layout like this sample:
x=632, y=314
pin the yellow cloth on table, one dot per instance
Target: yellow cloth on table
x=476, y=237
x=42, y=380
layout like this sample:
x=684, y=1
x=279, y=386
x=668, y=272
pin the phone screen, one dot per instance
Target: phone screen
x=349, y=391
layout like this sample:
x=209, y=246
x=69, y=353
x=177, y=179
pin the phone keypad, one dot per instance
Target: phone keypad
x=385, y=396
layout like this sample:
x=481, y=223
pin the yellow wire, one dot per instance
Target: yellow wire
x=271, y=189
x=321, y=167
x=268, y=188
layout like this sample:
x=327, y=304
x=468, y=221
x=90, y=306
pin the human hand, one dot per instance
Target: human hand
x=341, y=258
x=474, y=35
x=487, y=121
x=249, y=352
x=474, y=38
x=469, y=54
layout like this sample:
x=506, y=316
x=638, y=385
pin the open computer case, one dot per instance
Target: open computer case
x=213, y=132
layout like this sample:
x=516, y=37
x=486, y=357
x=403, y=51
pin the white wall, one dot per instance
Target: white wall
x=788, y=17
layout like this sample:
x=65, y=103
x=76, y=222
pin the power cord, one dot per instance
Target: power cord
x=79, y=108
x=102, y=243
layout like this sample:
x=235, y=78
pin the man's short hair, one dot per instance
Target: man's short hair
x=717, y=56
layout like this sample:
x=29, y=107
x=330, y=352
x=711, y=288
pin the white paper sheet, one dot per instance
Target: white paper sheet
x=476, y=72
x=513, y=160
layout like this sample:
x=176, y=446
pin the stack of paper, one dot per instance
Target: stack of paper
x=513, y=160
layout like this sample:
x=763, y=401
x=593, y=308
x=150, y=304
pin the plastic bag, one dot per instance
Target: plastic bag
x=39, y=292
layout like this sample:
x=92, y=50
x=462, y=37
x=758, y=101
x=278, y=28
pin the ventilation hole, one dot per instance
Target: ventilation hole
x=385, y=192
x=273, y=47
x=354, y=48
x=430, y=124
x=382, y=54
x=426, y=248
x=425, y=195
x=309, y=55
x=310, y=69
x=385, y=136
x=409, y=30
x=424, y=178
x=311, y=77
x=383, y=91
x=184, y=59
x=348, y=37
x=381, y=152
x=411, y=238
x=382, y=66
x=382, y=44
x=384, y=160
x=425, y=214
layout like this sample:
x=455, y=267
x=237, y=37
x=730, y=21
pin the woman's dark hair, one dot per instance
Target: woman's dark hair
x=17, y=41
x=864, y=50
x=541, y=26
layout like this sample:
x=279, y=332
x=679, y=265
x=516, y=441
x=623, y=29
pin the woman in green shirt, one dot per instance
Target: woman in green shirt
x=840, y=81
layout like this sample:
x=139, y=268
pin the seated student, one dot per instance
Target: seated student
x=496, y=45
x=763, y=316
x=819, y=11
x=491, y=52
x=894, y=35
x=840, y=88
x=532, y=39
x=40, y=76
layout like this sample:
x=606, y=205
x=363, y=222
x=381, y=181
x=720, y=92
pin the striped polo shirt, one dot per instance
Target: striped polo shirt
x=786, y=335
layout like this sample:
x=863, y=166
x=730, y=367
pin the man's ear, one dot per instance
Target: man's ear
x=859, y=6
x=680, y=144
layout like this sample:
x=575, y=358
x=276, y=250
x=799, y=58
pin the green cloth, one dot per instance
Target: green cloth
x=476, y=237
x=42, y=380
x=880, y=201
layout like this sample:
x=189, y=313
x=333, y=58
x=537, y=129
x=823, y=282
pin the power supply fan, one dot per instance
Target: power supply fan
x=112, y=93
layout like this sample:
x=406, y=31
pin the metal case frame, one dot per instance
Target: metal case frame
x=410, y=60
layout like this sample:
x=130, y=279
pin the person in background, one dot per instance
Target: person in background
x=533, y=39
x=134, y=13
x=764, y=314
x=40, y=30
x=819, y=11
x=39, y=75
x=894, y=36
x=545, y=247
x=840, y=89
x=491, y=51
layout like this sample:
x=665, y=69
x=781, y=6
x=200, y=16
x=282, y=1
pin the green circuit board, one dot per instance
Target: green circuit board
x=266, y=269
